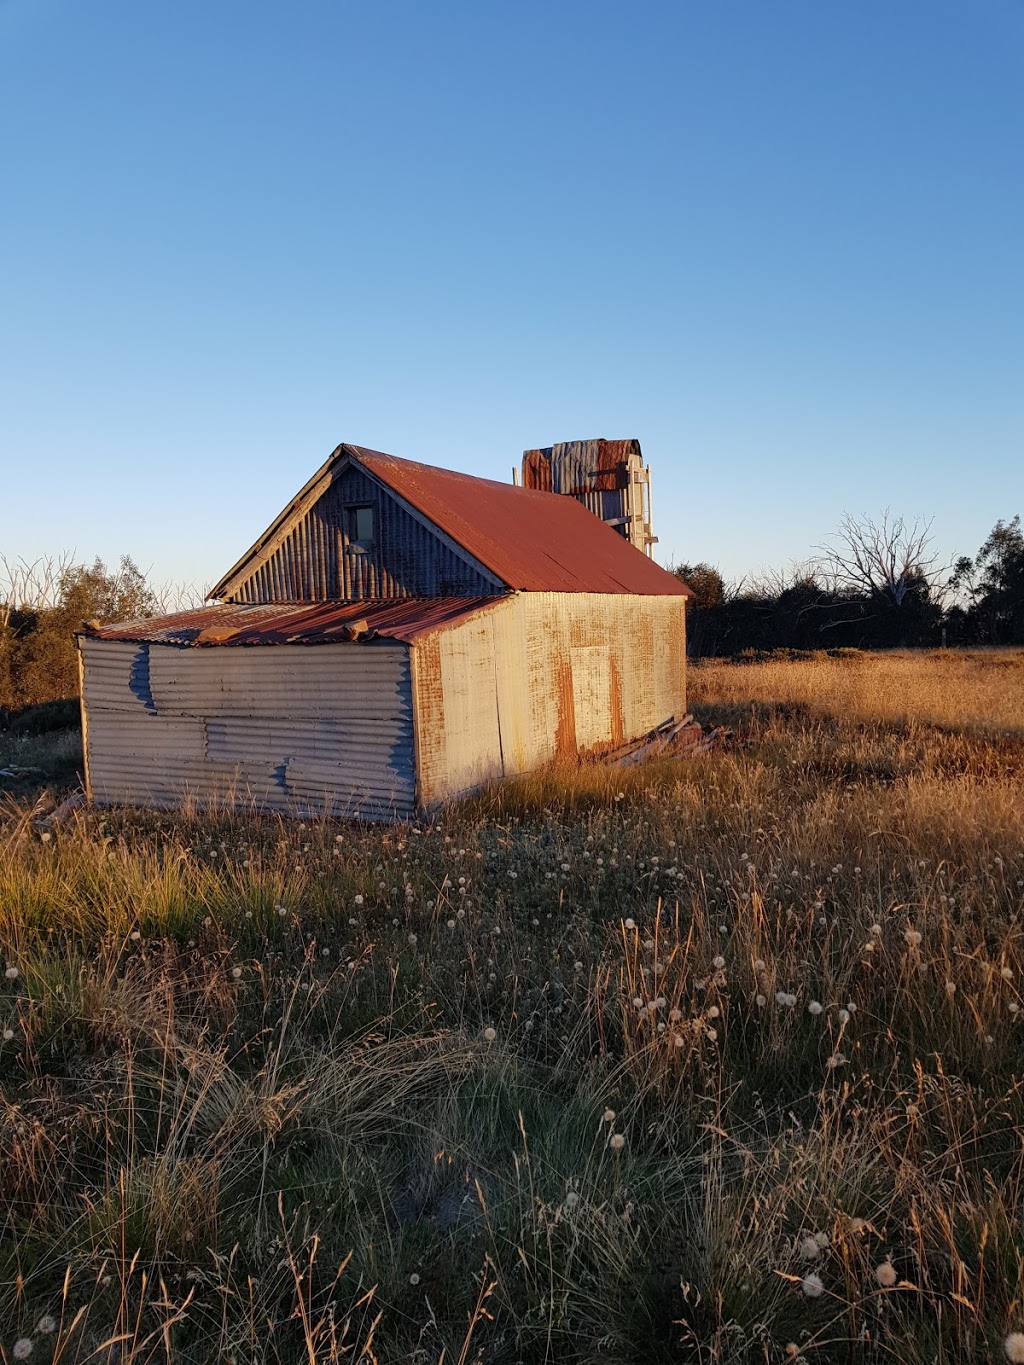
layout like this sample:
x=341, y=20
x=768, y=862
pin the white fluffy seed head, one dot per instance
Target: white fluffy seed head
x=886, y=1275
x=815, y=1007
x=812, y=1286
x=809, y=1249
x=616, y=1142
x=1013, y=1347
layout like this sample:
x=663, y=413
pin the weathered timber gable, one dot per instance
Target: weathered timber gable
x=317, y=560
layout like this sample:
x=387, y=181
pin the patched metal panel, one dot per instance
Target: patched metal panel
x=580, y=670
x=472, y=745
x=591, y=695
x=292, y=728
x=318, y=559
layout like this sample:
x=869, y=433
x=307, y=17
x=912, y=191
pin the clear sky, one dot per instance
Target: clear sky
x=781, y=243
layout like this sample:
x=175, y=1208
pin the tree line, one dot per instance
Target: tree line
x=876, y=584
x=873, y=585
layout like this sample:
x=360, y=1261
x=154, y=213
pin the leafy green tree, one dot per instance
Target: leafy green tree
x=992, y=584
x=38, y=658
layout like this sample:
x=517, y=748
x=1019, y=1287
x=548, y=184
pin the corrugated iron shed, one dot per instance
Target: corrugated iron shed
x=403, y=620
x=532, y=541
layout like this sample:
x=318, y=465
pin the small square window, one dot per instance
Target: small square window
x=360, y=524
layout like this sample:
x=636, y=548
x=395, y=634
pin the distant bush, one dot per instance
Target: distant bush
x=41, y=609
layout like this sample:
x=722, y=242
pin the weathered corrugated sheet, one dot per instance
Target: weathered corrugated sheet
x=527, y=540
x=567, y=673
x=575, y=467
x=296, y=623
x=288, y=729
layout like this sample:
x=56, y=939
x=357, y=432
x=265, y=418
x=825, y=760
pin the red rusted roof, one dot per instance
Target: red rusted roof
x=303, y=623
x=533, y=541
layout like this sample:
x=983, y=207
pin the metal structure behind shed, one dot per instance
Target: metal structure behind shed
x=607, y=477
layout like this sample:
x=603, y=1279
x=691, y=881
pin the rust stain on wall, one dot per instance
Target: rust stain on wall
x=618, y=730
x=565, y=734
x=429, y=702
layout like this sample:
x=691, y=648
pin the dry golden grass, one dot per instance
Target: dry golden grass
x=696, y=1062
x=960, y=690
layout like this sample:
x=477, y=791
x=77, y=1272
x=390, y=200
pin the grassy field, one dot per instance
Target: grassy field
x=709, y=1061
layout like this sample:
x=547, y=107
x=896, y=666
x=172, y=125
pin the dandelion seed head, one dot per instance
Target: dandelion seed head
x=760, y=1001
x=1013, y=1347
x=46, y=1326
x=571, y=1199
x=913, y=938
x=1006, y=973
x=11, y=973
x=714, y=1012
x=886, y=1276
x=815, y=1007
x=609, y=1116
x=809, y=1249
x=8, y=1034
x=616, y=1142
x=759, y=964
x=414, y=1278
x=23, y=1348
x=630, y=924
x=812, y=1286
x=718, y=962
x=950, y=987
x=490, y=1034
x=236, y=972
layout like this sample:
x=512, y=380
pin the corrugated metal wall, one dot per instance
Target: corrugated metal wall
x=542, y=676
x=317, y=561
x=289, y=727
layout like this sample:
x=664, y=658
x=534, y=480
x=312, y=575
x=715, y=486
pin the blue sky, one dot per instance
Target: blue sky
x=782, y=244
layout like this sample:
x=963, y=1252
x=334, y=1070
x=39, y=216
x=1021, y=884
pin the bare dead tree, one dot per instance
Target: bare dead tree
x=30, y=585
x=883, y=558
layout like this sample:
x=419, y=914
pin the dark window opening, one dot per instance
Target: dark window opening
x=360, y=525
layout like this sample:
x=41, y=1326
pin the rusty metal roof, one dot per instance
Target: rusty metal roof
x=532, y=541
x=302, y=623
